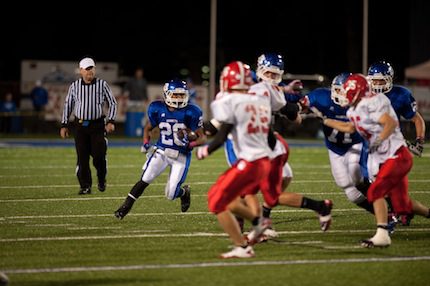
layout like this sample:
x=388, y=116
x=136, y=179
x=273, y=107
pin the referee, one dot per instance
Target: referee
x=85, y=100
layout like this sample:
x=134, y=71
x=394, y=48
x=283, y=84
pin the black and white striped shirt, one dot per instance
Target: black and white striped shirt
x=87, y=100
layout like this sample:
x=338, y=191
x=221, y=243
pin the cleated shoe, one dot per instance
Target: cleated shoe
x=255, y=235
x=380, y=239
x=84, y=191
x=369, y=243
x=239, y=252
x=270, y=233
x=325, y=215
x=186, y=198
x=122, y=211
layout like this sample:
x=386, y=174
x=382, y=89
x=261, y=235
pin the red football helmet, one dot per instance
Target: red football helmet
x=355, y=87
x=236, y=76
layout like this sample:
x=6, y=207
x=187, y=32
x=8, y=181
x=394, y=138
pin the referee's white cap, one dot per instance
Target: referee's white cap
x=86, y=63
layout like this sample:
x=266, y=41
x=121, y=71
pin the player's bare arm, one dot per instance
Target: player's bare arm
x=346, y=127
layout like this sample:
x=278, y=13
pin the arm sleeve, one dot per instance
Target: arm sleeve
x=290, y=110
x=211, y=127
x=271, y=139
x=220, y=137
x=111, y=102
x=68, y=106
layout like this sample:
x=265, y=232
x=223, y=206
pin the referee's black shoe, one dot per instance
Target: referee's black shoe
x=101, y=186
x=84, y=191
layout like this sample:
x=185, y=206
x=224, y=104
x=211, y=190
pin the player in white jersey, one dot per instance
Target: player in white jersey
x=270, y=67
x=389, y=161
x=247, y=117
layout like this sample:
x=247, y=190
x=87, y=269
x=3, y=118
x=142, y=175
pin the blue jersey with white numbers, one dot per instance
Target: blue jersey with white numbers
x=169, y=122
x=403, y=102
x=335, y=140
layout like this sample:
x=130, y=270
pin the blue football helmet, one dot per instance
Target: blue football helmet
x=176, y=93
x=380, y=75
x=272, y=63
x=337, y=88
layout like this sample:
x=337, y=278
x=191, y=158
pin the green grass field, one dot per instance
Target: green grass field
x=51, y=236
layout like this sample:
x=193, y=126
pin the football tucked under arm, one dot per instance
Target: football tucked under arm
x=187, y=133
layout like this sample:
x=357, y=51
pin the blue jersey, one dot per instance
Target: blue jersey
x=335, y=140
x=169, y=122
x=403, y=102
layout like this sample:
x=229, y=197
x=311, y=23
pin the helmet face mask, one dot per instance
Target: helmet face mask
x=355, y=88
x=270, y=68
x=176, y=93
x=236, y=76
x=381, y=75
x=337, y=89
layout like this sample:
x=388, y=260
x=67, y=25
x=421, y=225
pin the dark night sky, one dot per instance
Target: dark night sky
x=164, y=36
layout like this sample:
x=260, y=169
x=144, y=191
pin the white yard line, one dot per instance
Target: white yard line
x=193, y=234
x=162, y=184
x=339, y=193
x=153, y=214
x=213, y=264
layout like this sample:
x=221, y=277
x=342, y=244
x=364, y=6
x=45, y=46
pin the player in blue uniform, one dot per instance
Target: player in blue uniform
x=173, y=148
x=345, y=150
x=380, y=75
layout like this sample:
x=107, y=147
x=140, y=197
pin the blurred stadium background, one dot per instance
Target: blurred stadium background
x=318, y=41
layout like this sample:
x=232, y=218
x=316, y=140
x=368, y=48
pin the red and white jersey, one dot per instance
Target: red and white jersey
x=274, y=92
x=365, y=117
x=250, y=114
x=277, y=101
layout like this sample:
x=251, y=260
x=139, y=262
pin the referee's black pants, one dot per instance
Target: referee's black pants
x=90, y=140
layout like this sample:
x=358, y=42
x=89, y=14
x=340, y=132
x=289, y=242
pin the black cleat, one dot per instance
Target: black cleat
x=186, y=198
x=101, y=186
x=84, y=191
x=122, y=211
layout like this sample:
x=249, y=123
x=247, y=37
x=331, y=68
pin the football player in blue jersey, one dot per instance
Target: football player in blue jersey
x=175, y=119
x=344, y=149
x=380, y=75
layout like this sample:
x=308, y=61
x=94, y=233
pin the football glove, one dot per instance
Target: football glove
x=375, y=145
x=416, y=147
x=202, y=152
x=293, y=87
x=183, y=137
x=145, y=147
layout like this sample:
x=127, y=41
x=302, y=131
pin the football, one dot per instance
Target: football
x=191, y=135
